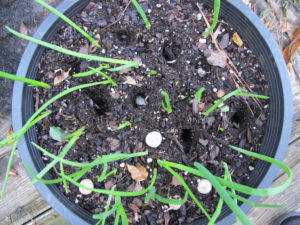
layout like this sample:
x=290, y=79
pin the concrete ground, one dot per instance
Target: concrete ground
x=24, y=15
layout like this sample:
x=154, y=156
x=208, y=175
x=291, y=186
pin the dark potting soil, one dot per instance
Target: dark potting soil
x=188, y=137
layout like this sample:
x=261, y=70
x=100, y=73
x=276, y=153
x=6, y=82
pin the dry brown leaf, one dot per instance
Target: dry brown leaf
x=23, y=29
x=9, y=133
x=175, y=182
x=289, y=50
x=217, y=58
x=285, y=27
x=237, y=39
x=60, y=78
x=138, y=173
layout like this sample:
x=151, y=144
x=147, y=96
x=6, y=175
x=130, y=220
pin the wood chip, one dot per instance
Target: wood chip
x=220, y=93
x=237, y=39
x=224, y=41
x=203, y=142
x=138, y=186
x=201, y=106
x=175, y=182
x=84, y=49
x=114, y=144
x=167, y=218
x=60, y=78
x=108, y=185
x=214, y=153
x=130, y=80
x=134, y=207
x=90, y=6
x=23, y=29
x=137, y=202
x=217, y=58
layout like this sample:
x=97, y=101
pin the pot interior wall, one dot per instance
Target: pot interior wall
x=249, y=33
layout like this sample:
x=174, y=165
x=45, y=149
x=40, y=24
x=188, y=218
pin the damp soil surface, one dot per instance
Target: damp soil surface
x=174, y=47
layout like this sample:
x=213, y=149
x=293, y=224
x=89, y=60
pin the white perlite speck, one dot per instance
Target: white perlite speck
x=202, y=40
x=153, y=139
x=204, y=186
x=199, y=16
x=87, y=183
x=149, y=160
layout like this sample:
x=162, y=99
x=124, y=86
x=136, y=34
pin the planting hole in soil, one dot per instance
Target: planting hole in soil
x=175, y=61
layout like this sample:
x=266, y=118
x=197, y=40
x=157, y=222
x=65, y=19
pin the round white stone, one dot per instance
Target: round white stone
x=87, y=183
x=153, y=139
x=204, y=186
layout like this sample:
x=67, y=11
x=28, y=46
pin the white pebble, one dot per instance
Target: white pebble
x=122, y=165
x=251, y=168
x=87, y=183
x=153, y=139
x=215, y=89
x=202, y=40
x=204, y=186
x=186, y=173
x=158, y=5
x=149, y=160
x=140, y=101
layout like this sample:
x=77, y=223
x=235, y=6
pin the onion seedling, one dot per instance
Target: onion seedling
x=166, y=104
x=31, y=82
x=142, y=13
x=123, y=125
x=238, y=92
x=68, y=21
x=217, y=6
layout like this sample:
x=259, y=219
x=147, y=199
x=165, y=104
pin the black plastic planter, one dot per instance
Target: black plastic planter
x=246, y=23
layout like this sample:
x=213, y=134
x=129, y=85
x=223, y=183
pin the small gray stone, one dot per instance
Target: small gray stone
x=140, y=101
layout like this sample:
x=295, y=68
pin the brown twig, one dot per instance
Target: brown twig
x=178, y=143
x=119, y=16
x=230, y=66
